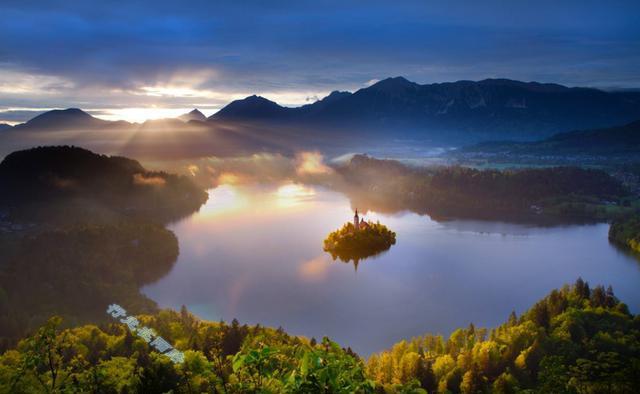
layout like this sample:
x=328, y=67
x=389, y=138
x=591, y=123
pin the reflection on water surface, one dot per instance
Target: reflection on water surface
x=255, y=253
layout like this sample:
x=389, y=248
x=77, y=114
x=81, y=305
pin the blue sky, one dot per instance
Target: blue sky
x=140, y=59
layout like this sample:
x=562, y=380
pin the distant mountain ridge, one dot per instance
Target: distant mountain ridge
x=69, y=118
x=455, y=113
x=492, y=107
x=154, y=138
x=612, y=142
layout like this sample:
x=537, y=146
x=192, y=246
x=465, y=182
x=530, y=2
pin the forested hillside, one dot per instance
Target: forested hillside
x=40, y=182
x=626, y=233
x=575, y=340
x=569, y=193
x=80, y=230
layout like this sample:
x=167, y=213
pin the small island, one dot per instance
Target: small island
x=359, y=240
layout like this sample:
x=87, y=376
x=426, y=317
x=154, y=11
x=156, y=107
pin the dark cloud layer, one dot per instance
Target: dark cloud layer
x=103, y=54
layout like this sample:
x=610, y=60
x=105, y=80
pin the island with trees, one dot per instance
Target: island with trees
x=359, y=240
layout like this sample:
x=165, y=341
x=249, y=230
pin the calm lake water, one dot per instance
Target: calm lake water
x=255, y=253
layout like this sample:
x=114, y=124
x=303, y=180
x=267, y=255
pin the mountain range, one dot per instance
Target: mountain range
x=466, y=109
x=606, y=143
x=455, y=113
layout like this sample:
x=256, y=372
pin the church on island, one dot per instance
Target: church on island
x=359, y=224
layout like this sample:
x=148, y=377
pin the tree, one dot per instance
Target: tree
x=513, y=319
x=47, y=355
x=443, y=365
x=117, y=375
x=407, y=367
x=553, y=376
x=471, y=381
x=540, y=314
x=581, y=289
x=386, y=368
x=426, y=376
x=598, y=297
x=507, y=384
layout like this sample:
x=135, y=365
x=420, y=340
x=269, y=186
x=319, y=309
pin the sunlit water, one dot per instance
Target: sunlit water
x=255, y=253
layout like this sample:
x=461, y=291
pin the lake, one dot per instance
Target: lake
x=254, y=252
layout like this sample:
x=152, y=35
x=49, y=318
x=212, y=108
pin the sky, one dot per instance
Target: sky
x=137, y=60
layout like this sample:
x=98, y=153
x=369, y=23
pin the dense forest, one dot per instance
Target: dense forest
x=80, y=230
x=576, y=340
x=526, y=194
x=219, y=358
x=626, y=233
x=50, y=184
x=76, y=271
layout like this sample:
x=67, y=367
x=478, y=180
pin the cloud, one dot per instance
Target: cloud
x=311, y=163
x=314, y=270
x=14, y=82
x=229, y=178
x=211, y=171
x=145, y=53
x=19, y=115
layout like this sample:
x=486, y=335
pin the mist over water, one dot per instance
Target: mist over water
x=254, y=252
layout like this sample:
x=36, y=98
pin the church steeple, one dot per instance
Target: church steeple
x=356, y=220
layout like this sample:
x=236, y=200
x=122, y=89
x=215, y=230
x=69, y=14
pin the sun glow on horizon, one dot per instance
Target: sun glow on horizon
x=142, y=114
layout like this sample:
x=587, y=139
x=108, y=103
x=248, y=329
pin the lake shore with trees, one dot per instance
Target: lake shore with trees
x=626, y=233
x=79, y=231
x=555, y=194
x=90, y=242
x=576, y=339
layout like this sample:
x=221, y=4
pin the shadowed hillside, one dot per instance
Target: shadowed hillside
x=608, y=145
x=79, y=231
x=567, y=193
x=59, y=175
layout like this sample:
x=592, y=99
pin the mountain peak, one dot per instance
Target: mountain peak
x=335, y=95
x=257, y=99
x=252, y=107
x=394, y=85
x=63, y=118
x=63, y=113
x=195, y=114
